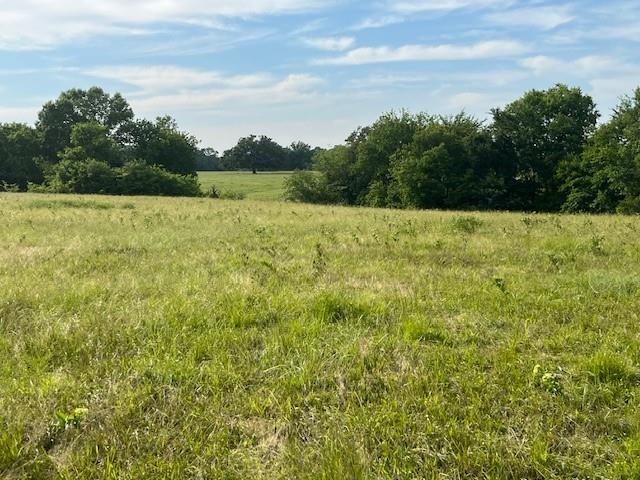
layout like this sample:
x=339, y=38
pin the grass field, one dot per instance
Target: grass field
x=262, y=186
x=195, y=338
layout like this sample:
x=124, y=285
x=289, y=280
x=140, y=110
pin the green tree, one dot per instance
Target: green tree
x=75, y=173
x=607, y=174
x=162, y=143
x=299, y=156
x=138, y=178
x=207, y=160
x=538, y=132
x=373, y=148
x=336, y=168
x=57, y=118
x=255, y=153
x=19, y=151
x=93, y=141
x=308, y=187
x=451, y=163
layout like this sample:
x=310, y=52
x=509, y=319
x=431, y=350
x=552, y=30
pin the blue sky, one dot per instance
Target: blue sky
x=311, y=69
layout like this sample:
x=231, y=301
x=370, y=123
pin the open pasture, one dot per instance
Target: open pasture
x=197, y=338
x=261, y=186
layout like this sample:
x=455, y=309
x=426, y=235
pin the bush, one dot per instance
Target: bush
x=80, y=176
x=629, y=206
x=231, y=195
x=92, y=176
x=307, y=187
x=212, y=192
x=9, y=187
x=140, y=179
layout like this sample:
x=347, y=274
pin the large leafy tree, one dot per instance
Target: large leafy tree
x=255, y=153
x=161, y=143
x=607, y=174
x=207, y=160
x=92, y=140
x=57, y=118
x=538, y=132
x=299, y=156
x=337, y=174
x=373, y=148
x=450, y=163
x=19, y=152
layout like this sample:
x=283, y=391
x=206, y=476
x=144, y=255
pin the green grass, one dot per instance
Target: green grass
x=196, y=338
x=262, y=186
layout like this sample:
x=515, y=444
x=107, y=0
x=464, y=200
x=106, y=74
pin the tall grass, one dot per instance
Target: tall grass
x=197, y=338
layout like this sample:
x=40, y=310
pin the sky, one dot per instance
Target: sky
x=312, y=70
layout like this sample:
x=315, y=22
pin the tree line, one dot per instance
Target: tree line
x=258, y=153
x=543, y=152
x=88, y=141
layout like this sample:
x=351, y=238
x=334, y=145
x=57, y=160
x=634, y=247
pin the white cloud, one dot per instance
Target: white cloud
x=541, y=64
x=378, y=22
x=18, y=114
x=366, y=55
x=40, y=24
x=586, y=66
x=543, y=17
x=415, y=6
x=399, y=11
x=625, y=31
x=156, y=78
x=335, y=44
x=163, y=88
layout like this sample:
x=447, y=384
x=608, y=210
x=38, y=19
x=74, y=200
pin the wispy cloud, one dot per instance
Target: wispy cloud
x=164, y=88
x=489, y=49
x=41, y=24
x=159, y=78
x=414, y=6
x=399, y=11
x=378, y=22
x=332, y=44
x=586, y=66
x=543, y=17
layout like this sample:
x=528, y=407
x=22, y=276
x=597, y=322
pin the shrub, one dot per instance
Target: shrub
x=92, y=176
x=467, y=224
x=231, y=195
x=212, y=192
x=629, y=206
x=80, y=176
x=307, y=187
x=137, y=178
x=9, y=187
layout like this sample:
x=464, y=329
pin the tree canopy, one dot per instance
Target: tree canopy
x=542, y=152
x=261, y=153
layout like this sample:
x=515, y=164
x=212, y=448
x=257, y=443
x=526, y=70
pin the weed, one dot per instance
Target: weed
x=500, y=284
x=597, y=245
x=467, y=224
x=548, y=381
x=319, y=261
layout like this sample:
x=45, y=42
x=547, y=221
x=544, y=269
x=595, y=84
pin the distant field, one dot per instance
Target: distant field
x=159, y=338
x=262, y=186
